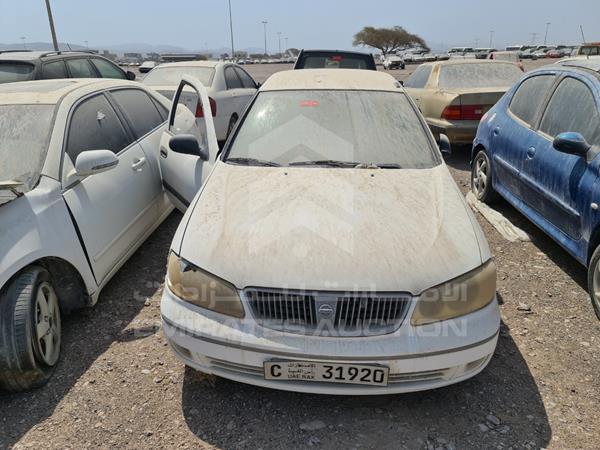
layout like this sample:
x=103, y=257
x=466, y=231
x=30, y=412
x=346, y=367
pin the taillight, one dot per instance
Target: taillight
x=213, y=108
x=463, y=112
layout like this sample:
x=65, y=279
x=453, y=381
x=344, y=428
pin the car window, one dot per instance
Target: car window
x=107, y=69
x=529, y=97
x=231, y=79
x=54, y=70
x=247, y=80
x=139, y=110
x=80, y=68
x=15, y=71
x=419, y=78
x=24, y=135
x=352, y=126
x=478, y=75
x=572, y=108
x=335, y=60
x=164, y=112
x=95, y=126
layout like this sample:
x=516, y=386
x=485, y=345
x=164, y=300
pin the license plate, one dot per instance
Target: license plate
x=327, y=372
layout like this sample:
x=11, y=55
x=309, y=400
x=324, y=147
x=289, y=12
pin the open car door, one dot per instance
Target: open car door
x=186, y=153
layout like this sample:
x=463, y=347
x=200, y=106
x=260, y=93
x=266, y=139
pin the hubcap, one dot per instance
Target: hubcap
x=596, y=284
x=47, y=325
x=480, y=176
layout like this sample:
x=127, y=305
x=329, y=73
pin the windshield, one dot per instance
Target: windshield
x=15, y=71
x=353, y=127
x=24, y=135
x=479, y=75
x=171, y=76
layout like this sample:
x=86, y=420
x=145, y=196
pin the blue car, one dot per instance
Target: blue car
x=538, y=148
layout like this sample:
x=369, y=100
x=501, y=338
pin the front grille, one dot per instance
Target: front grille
x=329, y=314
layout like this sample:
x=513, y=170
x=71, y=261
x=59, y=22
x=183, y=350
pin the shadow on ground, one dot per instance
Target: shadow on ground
x=231, y=415
x=87, y=334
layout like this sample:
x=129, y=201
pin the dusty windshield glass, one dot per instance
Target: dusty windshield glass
x=357, y=127
x=479, y=75
x=171, y=76
x=24, y=135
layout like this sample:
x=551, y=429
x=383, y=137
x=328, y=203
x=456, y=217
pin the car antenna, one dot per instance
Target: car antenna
x=583, y=37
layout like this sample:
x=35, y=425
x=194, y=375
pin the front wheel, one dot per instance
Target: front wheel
x=481, y=178
x=594, y=281
x=30, y=330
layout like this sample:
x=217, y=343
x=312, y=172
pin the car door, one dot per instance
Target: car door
x=415, y=84
x=513, y=134
x=248, y=90
x=235, y=90
x=553, y=179
x=147, y=125
x=182, y=174
x=112, y=210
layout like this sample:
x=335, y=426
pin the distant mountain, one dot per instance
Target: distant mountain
x=126, y=48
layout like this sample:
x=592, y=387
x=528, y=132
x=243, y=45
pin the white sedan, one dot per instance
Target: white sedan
x=230, y=89
x=80, y=190
x=329, y=249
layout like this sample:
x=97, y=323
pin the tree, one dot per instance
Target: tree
x=388, y=40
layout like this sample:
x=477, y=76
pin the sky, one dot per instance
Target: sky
x=204, y=24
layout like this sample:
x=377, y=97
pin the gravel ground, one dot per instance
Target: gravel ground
x=119, y=386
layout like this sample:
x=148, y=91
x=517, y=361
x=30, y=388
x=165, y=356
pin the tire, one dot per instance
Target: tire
x=231, y=126
x=30, y=330
x=481, y=179
x=594, y=281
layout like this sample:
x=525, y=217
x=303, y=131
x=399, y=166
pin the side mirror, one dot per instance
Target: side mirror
x=445, y=146
x=187, y=144
x=571, y=143
x=92, y=162
x=130, y=75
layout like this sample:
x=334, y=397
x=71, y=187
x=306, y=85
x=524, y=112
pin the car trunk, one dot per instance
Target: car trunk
x=473, y=104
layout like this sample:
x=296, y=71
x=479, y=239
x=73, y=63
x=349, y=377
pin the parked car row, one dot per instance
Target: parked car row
x=285, y=269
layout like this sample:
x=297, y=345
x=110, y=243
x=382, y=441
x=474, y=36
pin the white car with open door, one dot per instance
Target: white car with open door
x=80, y=190
x=329, y=249
x=230, y=89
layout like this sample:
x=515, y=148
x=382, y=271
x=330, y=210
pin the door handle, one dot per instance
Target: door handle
x=163, y=153
x=138, y=164
x=496, y=131
x=531, y=152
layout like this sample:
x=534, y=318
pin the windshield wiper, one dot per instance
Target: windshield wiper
x=355, y=165
x=325, y=162
x=252, y=162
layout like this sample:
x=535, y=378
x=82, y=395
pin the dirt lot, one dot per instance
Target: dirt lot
x=119, y=386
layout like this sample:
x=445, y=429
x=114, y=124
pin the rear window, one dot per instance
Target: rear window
x=464, y=76
x=15, y=71
x=335, y=61
x=350, y=126
x=171, y=76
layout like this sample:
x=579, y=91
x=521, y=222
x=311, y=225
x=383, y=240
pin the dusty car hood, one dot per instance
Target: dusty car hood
x=331, y=229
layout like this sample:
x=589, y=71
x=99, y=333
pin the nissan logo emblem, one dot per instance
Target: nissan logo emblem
x=325, y=310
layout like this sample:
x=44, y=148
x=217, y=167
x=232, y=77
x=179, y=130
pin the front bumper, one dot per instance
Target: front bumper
x=419, y=358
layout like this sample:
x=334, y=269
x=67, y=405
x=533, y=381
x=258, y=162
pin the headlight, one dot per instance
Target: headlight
x=195, y=286
x=461, y=296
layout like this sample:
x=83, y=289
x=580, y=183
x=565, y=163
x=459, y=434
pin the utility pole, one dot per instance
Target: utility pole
x=476, y=43
x=286, y=45
x=546, y=36
x=491, y=38
x=86, y=45
x=23, y=40
x=279, y=36
x=533, y=36
x=264, y=22
x=52, y=29
x=231, y=30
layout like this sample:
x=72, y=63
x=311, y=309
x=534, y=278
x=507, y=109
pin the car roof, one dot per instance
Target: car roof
x=32, y=56
x=346, y=52
x=211, y=64
x=51, y=92
x=324, y=79
x=591, y=63
x=453, y=62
